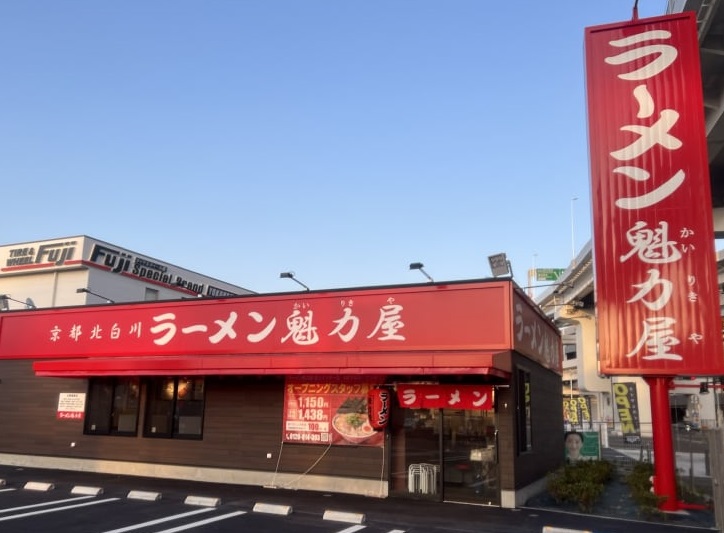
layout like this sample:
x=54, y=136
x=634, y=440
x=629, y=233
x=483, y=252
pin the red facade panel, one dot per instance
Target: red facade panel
x=534, y=336
x=414, y=318
x=454, y=328
x=655, y=268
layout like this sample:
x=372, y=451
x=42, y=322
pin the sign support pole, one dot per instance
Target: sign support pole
x=664, y=467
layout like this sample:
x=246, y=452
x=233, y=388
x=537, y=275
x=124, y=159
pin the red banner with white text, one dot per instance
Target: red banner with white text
x=433, y=396
x=656, y=282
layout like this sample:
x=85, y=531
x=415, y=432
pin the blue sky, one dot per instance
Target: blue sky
x=341, y=140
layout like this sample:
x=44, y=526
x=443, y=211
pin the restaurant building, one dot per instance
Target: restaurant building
x=447, y=391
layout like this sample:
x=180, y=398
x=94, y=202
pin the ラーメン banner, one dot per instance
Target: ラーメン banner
x=656, y=282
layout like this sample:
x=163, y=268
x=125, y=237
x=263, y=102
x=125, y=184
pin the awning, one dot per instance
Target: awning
x=423, y=363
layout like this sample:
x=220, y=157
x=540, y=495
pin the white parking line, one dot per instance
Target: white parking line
x=203, y=522
x=56, y=509
x=159, y=521
x=44, y=504
x=6, y=490
x=352, y=529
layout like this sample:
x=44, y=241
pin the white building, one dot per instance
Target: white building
x=82, y=270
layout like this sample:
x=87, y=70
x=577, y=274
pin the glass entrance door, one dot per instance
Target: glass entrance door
x=415, y=458
x=469, y=457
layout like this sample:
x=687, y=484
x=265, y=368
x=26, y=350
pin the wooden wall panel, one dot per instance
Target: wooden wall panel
x=242, y=424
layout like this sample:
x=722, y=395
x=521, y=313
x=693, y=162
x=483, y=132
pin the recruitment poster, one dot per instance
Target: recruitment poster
x=328, y=411
x=582, y=446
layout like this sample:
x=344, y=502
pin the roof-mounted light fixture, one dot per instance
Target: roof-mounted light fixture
x=290, y=275
x=500, y=265
x=83, y=289
x=419, y=266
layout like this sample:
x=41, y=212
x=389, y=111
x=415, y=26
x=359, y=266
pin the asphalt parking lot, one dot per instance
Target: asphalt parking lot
x=56, y=501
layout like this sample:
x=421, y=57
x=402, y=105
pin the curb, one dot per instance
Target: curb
x=37, y=485
x=339, y=516
x=143, y=495
x=202, y=501
x=88, y=491
x=270, y=508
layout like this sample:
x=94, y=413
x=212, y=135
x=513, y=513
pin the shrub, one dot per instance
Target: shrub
x=581, y=483
x=639, y=481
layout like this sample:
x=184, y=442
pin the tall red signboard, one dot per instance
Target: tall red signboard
x=656, y=282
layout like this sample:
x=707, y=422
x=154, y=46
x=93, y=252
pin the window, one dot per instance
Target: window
x=150, y=294
x=525, y=443
x=112, y=406
x=175, y=408
x=569, y=351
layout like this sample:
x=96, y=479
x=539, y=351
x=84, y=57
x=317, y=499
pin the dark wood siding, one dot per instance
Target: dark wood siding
x=242, y=424
x=547, y=424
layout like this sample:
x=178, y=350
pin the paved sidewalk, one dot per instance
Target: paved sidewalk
x=455, y=517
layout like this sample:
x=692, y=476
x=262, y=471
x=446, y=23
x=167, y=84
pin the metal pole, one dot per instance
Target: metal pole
x=664, y=465
x=691, y=460
x=716, y=399
x=573, y=234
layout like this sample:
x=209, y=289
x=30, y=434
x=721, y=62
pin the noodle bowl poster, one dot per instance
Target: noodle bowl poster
x=328, y=412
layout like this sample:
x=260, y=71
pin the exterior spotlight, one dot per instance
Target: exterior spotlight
x=500, y=265
x=419, y=266
x=290, y=275
x=83, y=289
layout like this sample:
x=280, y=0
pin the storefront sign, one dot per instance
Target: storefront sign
x=119, y=261
x=468, y=327
x=424, y=396
x=71, y=406
x=39, y=255
x=627, y=407
x=534, y=336
x=394, y=319
x=55, y=254
x=657, y=292
x=329, y=412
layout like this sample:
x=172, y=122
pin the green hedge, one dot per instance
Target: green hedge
x=581, y=483
x=639, y=481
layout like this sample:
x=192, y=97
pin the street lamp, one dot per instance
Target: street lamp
x=290, y=275
x=4, y=302
x=419, y=266
x=83, y=289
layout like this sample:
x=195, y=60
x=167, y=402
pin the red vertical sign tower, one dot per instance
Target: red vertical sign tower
x=655, y=269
